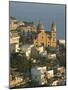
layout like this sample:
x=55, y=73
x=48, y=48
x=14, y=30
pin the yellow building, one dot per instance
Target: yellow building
x=45, y=38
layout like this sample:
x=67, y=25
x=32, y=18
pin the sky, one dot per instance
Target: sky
x=46, y=13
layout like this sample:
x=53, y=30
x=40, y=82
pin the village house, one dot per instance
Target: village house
x=51, y=56
x=61, y=69
x=59, y=42
x=13, y=23
x=14, y=41
x=50, y=74
x=15, y=77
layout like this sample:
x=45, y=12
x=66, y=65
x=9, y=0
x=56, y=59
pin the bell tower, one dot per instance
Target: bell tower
x=53, y=35
x=40, y=27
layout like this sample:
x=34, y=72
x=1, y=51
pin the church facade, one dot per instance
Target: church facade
x=45, y=38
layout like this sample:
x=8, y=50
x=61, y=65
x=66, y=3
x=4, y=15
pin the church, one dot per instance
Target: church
x=45, y=38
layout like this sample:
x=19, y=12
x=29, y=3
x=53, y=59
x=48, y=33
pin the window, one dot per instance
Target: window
x=54, y=39
x=42, y=44
x=48, y=45
x=54, y=34
x=42, y=37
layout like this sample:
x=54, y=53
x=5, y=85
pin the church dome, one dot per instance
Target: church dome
x=40, y=27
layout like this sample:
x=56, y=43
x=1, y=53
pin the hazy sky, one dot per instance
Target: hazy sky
x=46, y=13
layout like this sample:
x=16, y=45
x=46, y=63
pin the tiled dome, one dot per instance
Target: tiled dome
x=40, y=27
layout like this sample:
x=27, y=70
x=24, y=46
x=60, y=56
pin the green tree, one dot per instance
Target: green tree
x=61, y=59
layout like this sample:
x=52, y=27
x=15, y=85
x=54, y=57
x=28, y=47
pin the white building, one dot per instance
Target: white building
x=21, y=23
x=13, y=24
x=44, y=54
x=62, y=42
x=40, y=49
x=27, y=49
x=61, y=69
x=55, y=83
x=14, y=42
x=50, y=74
x=38, y=74
x=51, y=56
